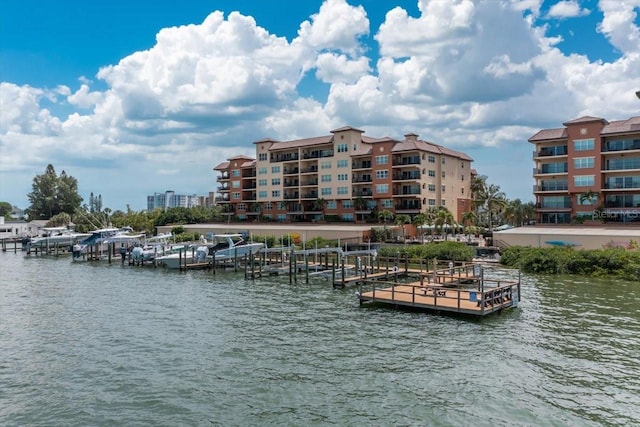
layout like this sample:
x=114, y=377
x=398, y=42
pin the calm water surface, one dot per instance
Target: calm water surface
x=97, y=344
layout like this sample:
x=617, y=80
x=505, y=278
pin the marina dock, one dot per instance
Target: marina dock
x=458, y=290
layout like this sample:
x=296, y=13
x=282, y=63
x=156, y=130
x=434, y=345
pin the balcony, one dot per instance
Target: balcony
x=622, y=183
x=551, y=169
x=314, y=154
x=361, y=165
x=223, y=177
x=551, y=187
x=362, y=193
x=406, y=161
x=406, y=191
x=553, y=206
x=284, y=157
x=310, y=169
x=290, y=171
x=290, y=196
x=621, y=145
x=293, y=183
x=408, y=206
x=550, y=152
x=361, y=179
x=249, y=186
x=623, y=164
x=407, y=176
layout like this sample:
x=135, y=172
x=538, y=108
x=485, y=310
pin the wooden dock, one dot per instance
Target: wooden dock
x=463, y=292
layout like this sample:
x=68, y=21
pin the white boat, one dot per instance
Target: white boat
x=52, y=236
x=156, y=246
x=223, y=247
x=107, y=235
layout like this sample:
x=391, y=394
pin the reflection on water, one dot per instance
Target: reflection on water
x=92, y=343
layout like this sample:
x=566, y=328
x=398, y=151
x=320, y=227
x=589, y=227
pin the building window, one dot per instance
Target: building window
x=325, y=191
x=347, y=217
x=387, y=203
x=432, y=173
x=343, y=148
x=262, y=157
x=443, y=202
x=236, y=195
x=343, y=190
x=343, y=163
x=235, y=172
x=443, y=160
x=275, y=169
x=262, y=171
x=275, y=193
x=382, y=160
x=432, y=159
x=432, y=187
x=325, y=165
x=462, y=192
x=583, y=162
x=432, y=202
x=262, y=194
x=275, y=181
x=347, y=204
x=382, y=188
x=325, y=178
x=343, y=177
x=444, y=174
x=584, y=180
x=262, y=182
x=462, y=177
x=332, y=204
x=443, y=188
x=281, y=217
x=382, y=174
x=242, y=207
x=583, y=144
x=235, y=184
x=268, y=206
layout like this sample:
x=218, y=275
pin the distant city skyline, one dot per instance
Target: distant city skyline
x=134, y=97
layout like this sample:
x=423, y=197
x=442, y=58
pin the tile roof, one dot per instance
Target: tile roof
x=222, y=166
x=585, y=119
x=548, y=134
x=622, y=126
x=282, y=145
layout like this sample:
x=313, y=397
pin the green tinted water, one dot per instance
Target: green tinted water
x=97, y=344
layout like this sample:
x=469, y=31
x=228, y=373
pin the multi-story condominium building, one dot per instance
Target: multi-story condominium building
x=169, y=199
x=590, y=168
x=344, y=174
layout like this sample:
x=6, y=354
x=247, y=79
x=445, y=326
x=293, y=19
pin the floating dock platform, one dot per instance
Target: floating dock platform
x=465, y=291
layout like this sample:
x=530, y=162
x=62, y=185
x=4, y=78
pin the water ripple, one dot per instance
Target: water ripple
x=97, y=344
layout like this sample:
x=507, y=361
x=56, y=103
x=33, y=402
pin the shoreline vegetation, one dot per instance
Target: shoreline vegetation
x=613, y=262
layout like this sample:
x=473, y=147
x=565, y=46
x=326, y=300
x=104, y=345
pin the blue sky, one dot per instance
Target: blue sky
x=138, y=97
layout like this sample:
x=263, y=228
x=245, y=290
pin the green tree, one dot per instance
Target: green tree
x=385, y=216
x=52, y=195
x=5, y=209
x=62, y=219
x=402, y=220
x=443, y=219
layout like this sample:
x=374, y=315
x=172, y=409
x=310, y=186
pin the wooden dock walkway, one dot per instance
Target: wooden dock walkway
x=463, y=292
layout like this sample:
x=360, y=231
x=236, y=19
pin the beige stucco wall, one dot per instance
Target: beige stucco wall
x=584, y=237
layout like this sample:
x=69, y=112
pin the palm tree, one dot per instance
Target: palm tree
x=494, y=200
x=469, y=219
x=589, y=197
x=385, y=215
x=401, y=220
x=444, y=218
x=360, y=204
x=430, y=218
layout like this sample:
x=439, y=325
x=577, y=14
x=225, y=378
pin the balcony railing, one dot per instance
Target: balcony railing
x=407, y=206
x=285, y=157
x=551, y=205
x=547, y=187
x=551, y=151
x=406, y=176
x=361, y=165
x=622, y=164
x=547, y=169
x=621, y=145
